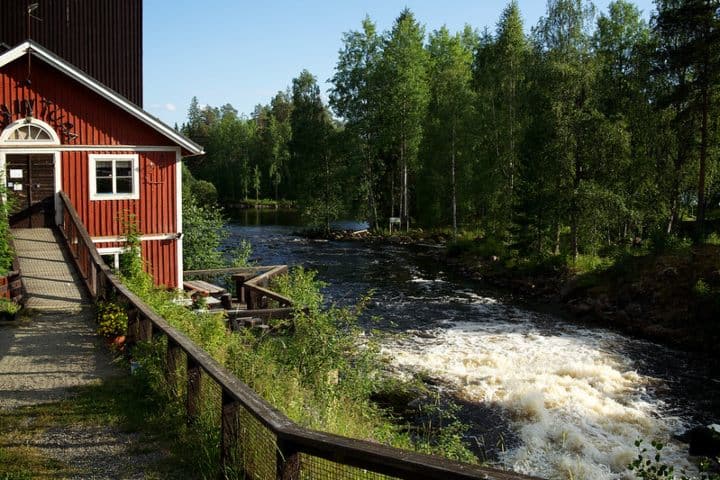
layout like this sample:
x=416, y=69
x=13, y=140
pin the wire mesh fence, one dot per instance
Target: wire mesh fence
x=314, y=468
x=257, y=447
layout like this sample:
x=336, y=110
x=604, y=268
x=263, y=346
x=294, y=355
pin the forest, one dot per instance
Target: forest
x=593, y=130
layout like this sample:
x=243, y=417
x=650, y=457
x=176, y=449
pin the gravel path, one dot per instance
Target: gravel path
x=42, y=357
x=40, y=360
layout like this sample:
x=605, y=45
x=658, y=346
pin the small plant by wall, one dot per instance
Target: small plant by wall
x=112, y=319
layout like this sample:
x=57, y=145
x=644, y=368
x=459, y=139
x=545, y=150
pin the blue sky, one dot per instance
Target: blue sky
x=240, y=52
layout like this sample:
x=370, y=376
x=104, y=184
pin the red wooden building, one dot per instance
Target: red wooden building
x=62, y=130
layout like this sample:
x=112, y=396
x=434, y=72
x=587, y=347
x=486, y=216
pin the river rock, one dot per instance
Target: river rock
x=704, y=441
x=622, y=316
x=634, y=311
x=582, y=307
x=569, y=288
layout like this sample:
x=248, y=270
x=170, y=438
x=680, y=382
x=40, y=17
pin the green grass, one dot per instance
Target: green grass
x=123, y=402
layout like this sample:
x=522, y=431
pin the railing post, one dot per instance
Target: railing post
x=145, y=333
x=93, y=277
x=133, y=327
x=229, y=434
x=250, y=298
x=194, y=387
x=240, y=287
x=287, y=461
x=172, y=363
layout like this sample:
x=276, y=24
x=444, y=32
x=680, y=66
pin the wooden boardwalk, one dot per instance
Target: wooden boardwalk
x=51, y=282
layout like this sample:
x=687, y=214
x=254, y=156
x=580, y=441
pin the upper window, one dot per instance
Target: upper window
x=29, y=132
x=114, y=177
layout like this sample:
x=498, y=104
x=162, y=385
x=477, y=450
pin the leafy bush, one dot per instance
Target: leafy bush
x=6, y=252
x=649, y=466
x=112, y=319
x=713, y=239
x=9, y=306
x=701, y=288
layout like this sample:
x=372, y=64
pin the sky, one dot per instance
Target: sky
x=242, y=52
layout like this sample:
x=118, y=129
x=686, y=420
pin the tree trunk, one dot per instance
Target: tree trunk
x=454, y=186
x=700, y=221
x=574, y=209
x=405, y=196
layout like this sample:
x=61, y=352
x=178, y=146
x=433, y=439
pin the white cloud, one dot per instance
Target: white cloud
x=168, y=107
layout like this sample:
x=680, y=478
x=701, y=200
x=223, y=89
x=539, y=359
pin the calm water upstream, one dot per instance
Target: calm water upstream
x=575, y=398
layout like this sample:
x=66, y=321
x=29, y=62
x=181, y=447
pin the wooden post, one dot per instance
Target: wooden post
x=194, y=388
x=172, y=364
x=133, y=328
x=226, y=301
x=229, y=434
x=250, y=298
x=287, y=461
x=146, y=330
x=93, y=277
x=240, y=287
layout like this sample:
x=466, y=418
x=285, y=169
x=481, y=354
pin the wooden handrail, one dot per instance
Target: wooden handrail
x=291, y=439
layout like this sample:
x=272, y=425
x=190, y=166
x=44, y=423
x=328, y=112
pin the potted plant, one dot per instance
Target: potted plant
x=112, y=323
x=8, y=309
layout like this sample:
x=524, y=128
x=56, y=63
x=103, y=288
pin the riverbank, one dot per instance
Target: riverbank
x=669, y=295
x=262, y=204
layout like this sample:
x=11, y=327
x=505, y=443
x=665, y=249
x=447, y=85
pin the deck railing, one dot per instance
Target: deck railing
x=251, y=289
x=256, y=439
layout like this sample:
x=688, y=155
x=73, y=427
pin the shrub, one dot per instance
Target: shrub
x=649, y=466
x=6, y=251
x=112, y=319
x=701, y=288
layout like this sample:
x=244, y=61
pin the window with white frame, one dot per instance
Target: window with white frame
x=29, y=131
x=111, y=256
x=114, y=177
x=115, y=257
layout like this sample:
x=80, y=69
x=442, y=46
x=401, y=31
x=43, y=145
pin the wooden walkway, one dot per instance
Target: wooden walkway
x=51, y=281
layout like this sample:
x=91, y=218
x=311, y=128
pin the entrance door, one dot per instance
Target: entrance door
x=30, y=181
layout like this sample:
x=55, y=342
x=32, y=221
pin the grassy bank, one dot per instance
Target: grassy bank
x=317, y=370
x=665, y=289
x=263, y=203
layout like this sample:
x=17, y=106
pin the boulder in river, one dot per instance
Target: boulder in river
x=704, y=440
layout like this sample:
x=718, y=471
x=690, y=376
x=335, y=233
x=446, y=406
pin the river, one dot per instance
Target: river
x=573, y=399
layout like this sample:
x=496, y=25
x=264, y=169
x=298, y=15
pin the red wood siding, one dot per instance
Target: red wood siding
x=101, y=37
x=99, y=123
x=155, y=211
x=160, y=259
x=95, y=120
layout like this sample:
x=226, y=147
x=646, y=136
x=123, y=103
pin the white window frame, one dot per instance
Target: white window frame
x=115, y=252
x=29, y=122
x=96, y=157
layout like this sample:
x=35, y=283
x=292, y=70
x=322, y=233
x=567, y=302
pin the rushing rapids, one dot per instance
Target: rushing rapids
x=575, y=398
x=577, y=403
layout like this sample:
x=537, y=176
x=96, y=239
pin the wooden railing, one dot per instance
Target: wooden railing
x=11, y=284
x=256, y=438
x=251, y=287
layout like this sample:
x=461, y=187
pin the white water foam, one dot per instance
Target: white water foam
x=577, y=406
